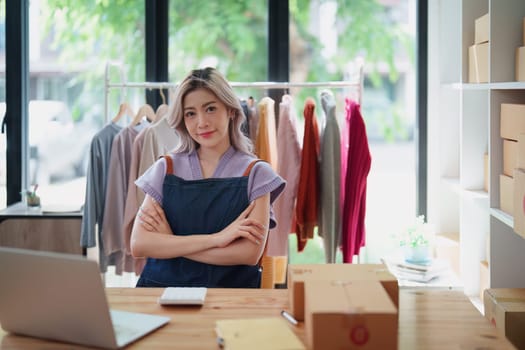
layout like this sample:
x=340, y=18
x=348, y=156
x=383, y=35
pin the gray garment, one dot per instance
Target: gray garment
x=330, y=179
x=96, y=182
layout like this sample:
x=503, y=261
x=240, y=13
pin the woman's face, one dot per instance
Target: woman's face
x=206, y=119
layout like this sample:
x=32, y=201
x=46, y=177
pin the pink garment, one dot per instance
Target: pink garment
x=130, y=210
x=357, y=165
x=116, y=192
x=289, y=155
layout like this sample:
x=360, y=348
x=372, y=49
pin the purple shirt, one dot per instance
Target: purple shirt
x=262, y=179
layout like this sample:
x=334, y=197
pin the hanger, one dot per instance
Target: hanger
x=123, y=110
x=162, y=96
x=162, y=110
x=145, y=111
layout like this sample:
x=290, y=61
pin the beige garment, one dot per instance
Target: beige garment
x=158, y=140
x=266, y=141
x=266, y=149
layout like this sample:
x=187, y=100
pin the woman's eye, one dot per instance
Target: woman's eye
x=189, y=114
x=211, y=109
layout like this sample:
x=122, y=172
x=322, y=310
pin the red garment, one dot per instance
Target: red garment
x=308, y=187
x=357, y=166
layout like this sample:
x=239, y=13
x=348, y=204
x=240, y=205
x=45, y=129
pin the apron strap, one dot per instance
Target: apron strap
x=250, y=166
x=169, y=163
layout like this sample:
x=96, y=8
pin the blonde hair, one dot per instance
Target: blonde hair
x=211, y=80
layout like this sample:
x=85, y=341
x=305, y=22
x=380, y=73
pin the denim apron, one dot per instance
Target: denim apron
x=202, y=206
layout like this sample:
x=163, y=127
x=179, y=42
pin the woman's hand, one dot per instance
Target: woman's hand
x=153, y=219
x=242, y=227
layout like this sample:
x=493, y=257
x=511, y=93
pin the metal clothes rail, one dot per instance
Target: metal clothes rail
x=356, y=84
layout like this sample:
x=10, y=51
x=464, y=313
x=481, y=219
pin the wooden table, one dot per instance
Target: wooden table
x=428, y=319
x=32, y=228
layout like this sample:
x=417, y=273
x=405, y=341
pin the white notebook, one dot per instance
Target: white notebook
x=183, y=296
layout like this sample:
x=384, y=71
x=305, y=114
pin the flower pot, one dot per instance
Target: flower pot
x=418, y=254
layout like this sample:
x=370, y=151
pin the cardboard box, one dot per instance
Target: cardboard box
x=506, y=195
x=446, y=247
x=520, y=64
x=478, y=63
x=521, y=152
x=510, y=157
x=512, y=120
x=298, y=274
x=481, y=29
x=505, y=308
x=486, y=172
x=484, y=278
x=519, y=202
x=349, y=315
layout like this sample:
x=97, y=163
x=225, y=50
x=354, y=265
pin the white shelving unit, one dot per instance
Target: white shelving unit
x=464, y=123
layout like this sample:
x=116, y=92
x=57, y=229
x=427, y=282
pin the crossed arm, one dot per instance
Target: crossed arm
x=241, y=242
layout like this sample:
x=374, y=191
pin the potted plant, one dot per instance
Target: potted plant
x=416, y=242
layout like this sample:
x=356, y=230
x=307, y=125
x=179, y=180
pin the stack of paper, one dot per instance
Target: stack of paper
x=404, y=270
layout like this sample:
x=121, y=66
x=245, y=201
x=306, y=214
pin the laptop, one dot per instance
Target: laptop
x=61, y=297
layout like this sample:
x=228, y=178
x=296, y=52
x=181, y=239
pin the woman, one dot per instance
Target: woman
x=207, y=211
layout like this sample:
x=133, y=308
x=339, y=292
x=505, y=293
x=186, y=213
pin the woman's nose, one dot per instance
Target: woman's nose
x=201, y=120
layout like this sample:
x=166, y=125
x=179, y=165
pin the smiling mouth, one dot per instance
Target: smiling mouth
x=206, y=134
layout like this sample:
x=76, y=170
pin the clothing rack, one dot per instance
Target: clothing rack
x=356, y=84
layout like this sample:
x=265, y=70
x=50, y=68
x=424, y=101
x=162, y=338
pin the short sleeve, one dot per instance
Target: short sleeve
x=151, y=181
x=262, y=180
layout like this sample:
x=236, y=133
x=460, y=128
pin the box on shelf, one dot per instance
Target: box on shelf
x=519, y=202
x=486, y=172
x=349, y=315
x=481, y=29
x=298, y=274
x=446, y=247
x=512, y=120
x=520, y=63
x=478, y=63
x=521, y=152
x=510, y=156
x=484, y=278
x=506, y=194
x=505, y=308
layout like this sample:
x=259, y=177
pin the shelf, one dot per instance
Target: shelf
x=480, y=196
x=512, y=85
x=502, y=216
x=464, y=125
x=477, y=86
x=508, y=86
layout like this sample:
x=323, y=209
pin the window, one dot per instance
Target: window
x=69, y=46
x=327, y=40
